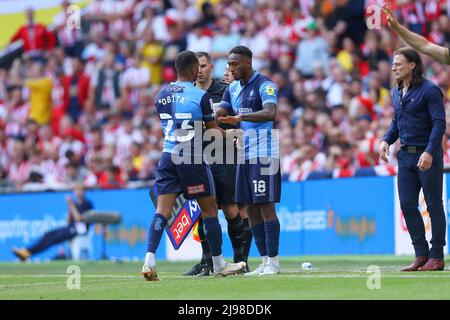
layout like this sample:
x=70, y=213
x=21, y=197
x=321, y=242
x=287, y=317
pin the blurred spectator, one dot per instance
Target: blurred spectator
x=76, y=89
x=311, y=50
x=35, y=36
x=135, y=80
x=224, y=39
x=94, y=50
x=208, y=16
x=175, y=43
x=19, y=169
x=335, y=85
x=198, y=39
x=152, y=57
x=257, y=43
x=71, y=39
x=105, y=86
x=16, y=113
x=111, y=178
x=40, y=94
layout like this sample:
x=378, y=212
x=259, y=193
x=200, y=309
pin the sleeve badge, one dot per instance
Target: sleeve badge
x=270, y=90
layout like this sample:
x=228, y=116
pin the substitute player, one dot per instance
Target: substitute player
x=251, y=100
x=182, y=108
x=224, y=179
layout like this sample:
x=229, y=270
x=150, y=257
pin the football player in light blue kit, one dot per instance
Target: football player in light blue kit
x=251, y=100
x=182, y=108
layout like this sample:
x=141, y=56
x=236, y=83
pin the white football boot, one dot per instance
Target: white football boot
x=231, y=268
x=149, y=273
x=270, y=270
x=255, y=272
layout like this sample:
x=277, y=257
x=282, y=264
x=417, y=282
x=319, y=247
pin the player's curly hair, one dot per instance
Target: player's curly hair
x=184, y=61
x=242, y=50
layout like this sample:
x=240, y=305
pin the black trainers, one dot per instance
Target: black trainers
x=206, y=271
x=195, y=270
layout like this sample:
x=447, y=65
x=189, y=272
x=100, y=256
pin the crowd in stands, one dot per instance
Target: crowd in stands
x=78, y=106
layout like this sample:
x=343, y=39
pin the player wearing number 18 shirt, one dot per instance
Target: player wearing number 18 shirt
x=251, y=101
x=182, y=108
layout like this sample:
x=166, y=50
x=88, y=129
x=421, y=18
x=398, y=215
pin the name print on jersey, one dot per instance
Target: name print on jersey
x=169, y=99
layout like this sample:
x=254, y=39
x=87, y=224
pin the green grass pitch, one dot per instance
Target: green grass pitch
x=333, y=277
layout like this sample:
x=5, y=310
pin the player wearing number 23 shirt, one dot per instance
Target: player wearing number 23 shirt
x=180, y=105
x=183, y=109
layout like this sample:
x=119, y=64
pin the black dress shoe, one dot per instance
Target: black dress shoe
x=195, y=270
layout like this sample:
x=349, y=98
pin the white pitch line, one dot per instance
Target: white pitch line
x=65, y=276
x=299, y=275
x=12, y=286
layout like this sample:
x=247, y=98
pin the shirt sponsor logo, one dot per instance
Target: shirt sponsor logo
x=244, y=110
x=175, y=89
x=196, y=189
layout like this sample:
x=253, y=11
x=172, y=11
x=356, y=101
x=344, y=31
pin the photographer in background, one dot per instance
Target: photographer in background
x=76, y=226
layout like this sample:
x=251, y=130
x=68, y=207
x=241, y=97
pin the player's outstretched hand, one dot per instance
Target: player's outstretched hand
x=230, y=119
x=393, y=23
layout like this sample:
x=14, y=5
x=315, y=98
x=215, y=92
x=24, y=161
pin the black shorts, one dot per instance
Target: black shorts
x=225, y=182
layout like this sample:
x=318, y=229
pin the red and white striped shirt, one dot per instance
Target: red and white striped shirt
x=18, y=173
x=17, y=118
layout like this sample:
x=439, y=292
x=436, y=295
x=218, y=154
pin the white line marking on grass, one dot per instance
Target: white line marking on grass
x=65, y=276
x=290, y=274
x=13, y=285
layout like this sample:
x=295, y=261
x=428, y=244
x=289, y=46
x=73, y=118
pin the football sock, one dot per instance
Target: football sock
x=265, y=259
x=275, y=261
x=260, y=238
x=246, y=239
x=272, y=237
x=155, y=232
x=206, y=251
x=150, y=259
x=236, y=232
x=206, y=254
x=213, y=233
x=219, y=262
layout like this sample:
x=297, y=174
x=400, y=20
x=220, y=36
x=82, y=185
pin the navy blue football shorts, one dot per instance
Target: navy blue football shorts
x=258, y=182
x=193, y=180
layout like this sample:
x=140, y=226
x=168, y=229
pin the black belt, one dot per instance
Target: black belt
x=413, y=149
